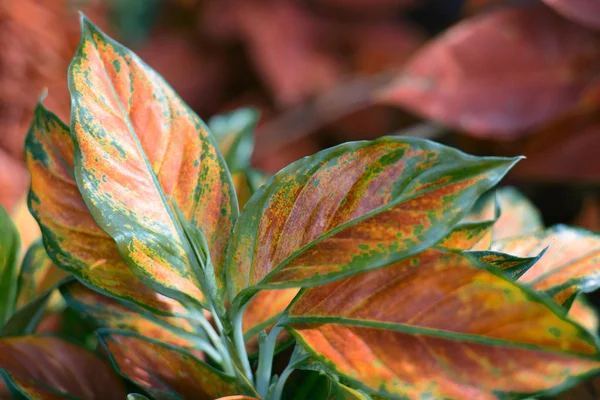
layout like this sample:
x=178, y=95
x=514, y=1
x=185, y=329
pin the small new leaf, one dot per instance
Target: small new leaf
x=10, y=245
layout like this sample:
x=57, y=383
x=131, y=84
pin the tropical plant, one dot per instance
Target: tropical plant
x=366, y=270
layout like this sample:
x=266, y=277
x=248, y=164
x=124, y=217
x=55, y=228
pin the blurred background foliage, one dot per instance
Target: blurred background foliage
x=491, y=77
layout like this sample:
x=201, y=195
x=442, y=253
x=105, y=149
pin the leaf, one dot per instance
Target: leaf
x=72, y=238
x=500, y=74
x=262, y=312
x=438, y=325
x=38, y=274
x=584, y=12
x=570, y=264
x=469, y=236
x=109, y=313
x=511, y=266
x=234, y=132
x=136, y=142
x=26, y=319
x=351, y=208
x=136, y=396
x=31, y=362
x=164, y=371
x=10, y=245
x=517, y=215
x=584, y=314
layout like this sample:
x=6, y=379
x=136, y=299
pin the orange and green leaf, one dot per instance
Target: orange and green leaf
x=31, y=364
x=164, y=370
x=10, y=247
x=351, y=208
x=72, y=238
x=570, y=265
x=262, y=312
x=440, y=325
x=584, y=314
x=38, y=274
x=137, y=143
x=109, y=313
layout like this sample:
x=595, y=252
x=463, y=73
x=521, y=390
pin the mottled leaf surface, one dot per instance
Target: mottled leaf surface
x=517, y=215
x=165, y=371
x=571, y=263
x=109, y=313
x=500, y=74
x=10, y=246
x=353, y=207
x=38, y=274
x=438, y=325
x=137, y=142
x=72, y=238
x=39, y=365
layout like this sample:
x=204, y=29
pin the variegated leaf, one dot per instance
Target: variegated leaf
x=351, y=208
x=137, y=142
x=570, y=265
x=38, y=274
x=109, y=313
x=51, y=368
x=165, y=371
x=72, y=238
x=439, y=325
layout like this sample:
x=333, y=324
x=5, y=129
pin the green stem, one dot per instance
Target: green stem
x=265, y=360
x=217, y=343
x=240, y=344
x=281, y=382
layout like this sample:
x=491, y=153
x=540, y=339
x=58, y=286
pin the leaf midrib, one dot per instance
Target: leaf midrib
x=153, y=176
x=290, y=321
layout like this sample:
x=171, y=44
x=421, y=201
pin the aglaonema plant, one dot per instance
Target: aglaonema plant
x=364, y=260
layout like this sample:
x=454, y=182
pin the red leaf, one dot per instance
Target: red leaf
x=501, y=73
x=585, y=12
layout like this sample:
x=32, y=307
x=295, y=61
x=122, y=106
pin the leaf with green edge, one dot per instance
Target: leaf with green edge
x=72, y=238
x=136, y=142
x=570, y=265
x=136, y=396
x=31, y=362
x=10, y=245
x=234, y=132
x=515, y=214
x=512, y=266
x=351, y=208
x=443, y=326
x=343, y=392
x=25, y=320
x=29, y=390
x=165, y=371
x=110, y=313
x=38, y=274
